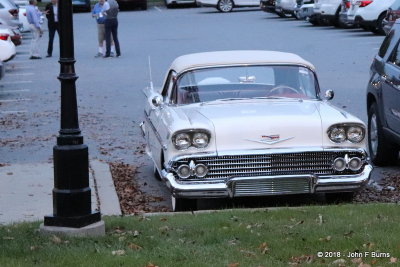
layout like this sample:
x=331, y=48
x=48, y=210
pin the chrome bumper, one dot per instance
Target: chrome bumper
x=269, y=185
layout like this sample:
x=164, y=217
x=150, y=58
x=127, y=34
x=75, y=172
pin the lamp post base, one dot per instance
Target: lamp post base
x=91, y=230
x=73, y=221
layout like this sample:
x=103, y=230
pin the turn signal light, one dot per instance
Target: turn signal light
x=364, y=3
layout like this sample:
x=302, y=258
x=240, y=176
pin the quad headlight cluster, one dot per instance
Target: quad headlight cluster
x=343, y=163
x=198, y=170
x=196, y=138
x=340, y=133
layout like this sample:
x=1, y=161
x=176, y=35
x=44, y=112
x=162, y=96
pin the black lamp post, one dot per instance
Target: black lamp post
x=71, y=193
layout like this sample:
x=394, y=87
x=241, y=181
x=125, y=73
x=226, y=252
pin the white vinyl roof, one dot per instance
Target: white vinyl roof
x=236, y=57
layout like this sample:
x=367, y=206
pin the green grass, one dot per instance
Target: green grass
x=270, y=237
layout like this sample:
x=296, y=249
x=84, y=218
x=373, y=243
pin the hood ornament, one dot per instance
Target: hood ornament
x=270, y=139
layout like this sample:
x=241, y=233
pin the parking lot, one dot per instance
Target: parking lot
x=110, y=94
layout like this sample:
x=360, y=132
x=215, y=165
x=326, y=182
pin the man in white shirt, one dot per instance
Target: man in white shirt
x=33, y=16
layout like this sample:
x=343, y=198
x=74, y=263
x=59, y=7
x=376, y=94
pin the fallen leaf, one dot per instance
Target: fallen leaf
x=325, y=239
x=357, y=260
x=235, y=264
x=163, y=219
x=294, y=261
x=136, y=233
x=133, y=246
x=119, y=252
x=263, y=248
x=151, y=265
x=393, y=260
x=34, y=248
x=349, y=234
x=339, y=262
x=55, y=239
x=368, y=245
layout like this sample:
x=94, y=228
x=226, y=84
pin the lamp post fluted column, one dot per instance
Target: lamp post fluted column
x=71, y=192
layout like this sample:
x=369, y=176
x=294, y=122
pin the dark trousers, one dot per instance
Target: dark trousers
x=111, y=26
x=52, y=31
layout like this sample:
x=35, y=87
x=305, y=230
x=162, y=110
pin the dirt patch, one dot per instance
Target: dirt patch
x=132, y=200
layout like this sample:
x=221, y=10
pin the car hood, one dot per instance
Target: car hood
x=267, y=124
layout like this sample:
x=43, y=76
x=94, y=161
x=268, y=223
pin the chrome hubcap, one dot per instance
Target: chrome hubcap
x=373, y=135
x=225, y=5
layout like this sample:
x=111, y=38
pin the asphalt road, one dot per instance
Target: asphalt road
x=110, y=90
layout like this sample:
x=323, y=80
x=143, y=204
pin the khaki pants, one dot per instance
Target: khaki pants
x=101, y=35
x=34, y=52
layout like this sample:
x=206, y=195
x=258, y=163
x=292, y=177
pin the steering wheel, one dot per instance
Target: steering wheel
x=281, y=89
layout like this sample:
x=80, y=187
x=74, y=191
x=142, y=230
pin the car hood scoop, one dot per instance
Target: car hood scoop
x=261, y=125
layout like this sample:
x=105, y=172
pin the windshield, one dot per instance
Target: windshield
x=243, y=82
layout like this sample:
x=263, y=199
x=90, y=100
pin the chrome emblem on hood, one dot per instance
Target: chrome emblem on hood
x=270, y=139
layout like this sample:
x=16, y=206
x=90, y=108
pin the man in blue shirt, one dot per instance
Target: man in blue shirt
x=100, y=18
x=33, y=16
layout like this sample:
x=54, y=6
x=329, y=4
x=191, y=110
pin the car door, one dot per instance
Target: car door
x=391, y=90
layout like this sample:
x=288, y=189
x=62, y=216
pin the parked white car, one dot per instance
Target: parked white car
x=9, y=13
x=285, y=8
x=171, y=3
x=304, y=9
x=228, y=5
x=7, y=48
x=250, y=123
x=369, y=14
x=326, y=12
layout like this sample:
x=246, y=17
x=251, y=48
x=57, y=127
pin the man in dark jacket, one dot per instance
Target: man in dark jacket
x=110, y=10
x=52, y=22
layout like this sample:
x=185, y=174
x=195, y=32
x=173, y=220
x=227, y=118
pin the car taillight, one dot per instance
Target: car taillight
x=13, y=12
x=363, y=3
x=4, y=36
x=347, y=4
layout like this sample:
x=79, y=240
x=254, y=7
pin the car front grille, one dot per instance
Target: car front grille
x=266, y=187
x=303, y=163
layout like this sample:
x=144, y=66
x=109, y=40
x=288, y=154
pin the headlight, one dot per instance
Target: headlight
x=337, y=134
x=355, y=134
x=182, y=141
x=200, y=140
x=340, y=133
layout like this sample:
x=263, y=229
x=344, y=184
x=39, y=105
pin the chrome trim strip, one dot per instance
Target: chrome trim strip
x=154, y=129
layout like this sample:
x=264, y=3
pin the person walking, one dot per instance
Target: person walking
x=33, y=16
x=101, y=32
x=52, y=23
x=110, y=10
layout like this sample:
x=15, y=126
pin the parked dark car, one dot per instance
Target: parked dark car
x=81, y=5
x=392, y=14
x=383, y=101
x=268, y=6
x=129, y=4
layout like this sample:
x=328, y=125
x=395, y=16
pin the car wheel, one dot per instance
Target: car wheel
x=336, y=21
x=381, y=151
x=284, y=15
x=378, y=29
x=183, y=204
x=225, y=5
x=314, y=21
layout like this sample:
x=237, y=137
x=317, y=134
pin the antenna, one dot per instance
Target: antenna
x=151, y=78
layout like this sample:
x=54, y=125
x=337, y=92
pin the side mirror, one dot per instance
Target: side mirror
x=157, y=100
x=329, y=94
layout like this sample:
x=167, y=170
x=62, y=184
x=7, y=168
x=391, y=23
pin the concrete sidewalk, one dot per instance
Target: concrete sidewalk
x=26, y=191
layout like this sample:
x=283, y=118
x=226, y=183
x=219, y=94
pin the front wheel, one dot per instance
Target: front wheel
x=378, y=29
x=381, y=151
x=183, y=204
x=225, y=5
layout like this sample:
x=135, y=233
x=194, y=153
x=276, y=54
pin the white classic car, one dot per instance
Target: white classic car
x=228, y=5
x=250, y=123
